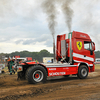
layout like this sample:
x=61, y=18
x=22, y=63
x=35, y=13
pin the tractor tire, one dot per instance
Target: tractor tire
x=36, y=74
x=26, y=73
x=82, y=72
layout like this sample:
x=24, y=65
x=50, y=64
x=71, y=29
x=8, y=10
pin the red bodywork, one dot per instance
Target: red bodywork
x=62, y=71
x=82, y=53
x=17, y=56
x=58, y=47
x=29, y=58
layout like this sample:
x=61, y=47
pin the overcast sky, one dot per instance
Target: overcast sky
x=24, y=25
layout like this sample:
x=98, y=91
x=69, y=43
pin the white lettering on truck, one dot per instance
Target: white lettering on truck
x=52, y=68
x=57, y=73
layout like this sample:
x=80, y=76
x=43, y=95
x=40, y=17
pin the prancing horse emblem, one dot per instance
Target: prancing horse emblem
x=79, y=45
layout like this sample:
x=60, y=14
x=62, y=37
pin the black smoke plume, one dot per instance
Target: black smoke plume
x=68, y=13
x=51, y=12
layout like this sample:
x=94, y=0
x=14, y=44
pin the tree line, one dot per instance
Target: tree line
x=36, y=55
x=97, y=54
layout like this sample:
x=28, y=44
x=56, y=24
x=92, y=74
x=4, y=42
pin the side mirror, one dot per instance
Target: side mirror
x=93, y=46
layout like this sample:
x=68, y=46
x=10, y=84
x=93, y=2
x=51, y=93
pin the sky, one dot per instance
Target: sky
x=24, y=23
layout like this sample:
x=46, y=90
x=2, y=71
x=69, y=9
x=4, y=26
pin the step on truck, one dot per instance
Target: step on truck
x=74, y=56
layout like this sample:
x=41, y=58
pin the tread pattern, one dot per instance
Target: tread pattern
x=30, y=71
x=79, y=72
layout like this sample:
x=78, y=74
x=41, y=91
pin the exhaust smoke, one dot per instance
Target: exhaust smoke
x=51, y=12
x=68, y=13
x=49, y=7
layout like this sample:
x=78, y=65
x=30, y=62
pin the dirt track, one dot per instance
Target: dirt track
x=61, y=88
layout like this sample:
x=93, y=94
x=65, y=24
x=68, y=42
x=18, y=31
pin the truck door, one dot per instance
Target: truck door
x=82, y=51
x=88, y=52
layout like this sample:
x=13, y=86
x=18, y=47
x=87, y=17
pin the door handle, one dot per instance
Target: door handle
x=84, y=55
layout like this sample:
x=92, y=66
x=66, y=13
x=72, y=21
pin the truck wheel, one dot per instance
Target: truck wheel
x=26, y=73
x=83, y=72
x=36, y=74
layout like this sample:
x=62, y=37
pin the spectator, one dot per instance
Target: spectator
x=8, y=64
x=16, y=61
x=20, y=61
x=11, y=64
x=34, y=60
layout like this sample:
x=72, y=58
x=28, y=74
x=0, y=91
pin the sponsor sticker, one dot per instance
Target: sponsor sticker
x=65, y=68
x=82, y=36
x=57, y=73
x=79, y=45
x=52, y=68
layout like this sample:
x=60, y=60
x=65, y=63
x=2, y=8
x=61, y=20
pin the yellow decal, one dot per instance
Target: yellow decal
x=79, y=45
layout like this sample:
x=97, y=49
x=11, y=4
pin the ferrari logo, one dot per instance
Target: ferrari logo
x=79, y=45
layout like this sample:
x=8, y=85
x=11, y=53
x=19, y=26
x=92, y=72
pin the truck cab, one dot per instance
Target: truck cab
x=78, y=49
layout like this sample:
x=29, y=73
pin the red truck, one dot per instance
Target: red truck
x=75, y=56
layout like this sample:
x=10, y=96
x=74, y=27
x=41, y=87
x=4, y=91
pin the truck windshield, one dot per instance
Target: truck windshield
x=87, y=45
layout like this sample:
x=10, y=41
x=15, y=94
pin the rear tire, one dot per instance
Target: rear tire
x=36, y=74
x=82, y=72
x=26, y=73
